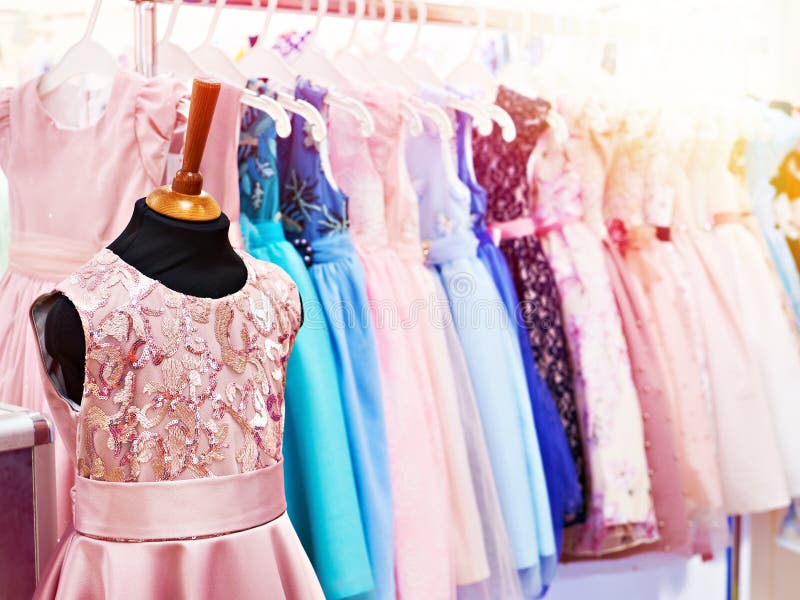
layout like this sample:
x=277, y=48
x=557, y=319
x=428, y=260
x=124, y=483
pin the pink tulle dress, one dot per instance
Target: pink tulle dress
x=71, y=190
x=638, y=206
x=742, y=419
x=177, y=440
x=431, y=485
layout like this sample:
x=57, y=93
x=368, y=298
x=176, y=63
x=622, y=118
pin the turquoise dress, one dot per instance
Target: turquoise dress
x=314, y=216
x=320, y=484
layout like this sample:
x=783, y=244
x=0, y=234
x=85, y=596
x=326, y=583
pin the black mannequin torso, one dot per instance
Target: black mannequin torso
x=179, y=254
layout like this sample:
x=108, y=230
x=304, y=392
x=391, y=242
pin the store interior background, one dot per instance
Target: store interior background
x=688, y=52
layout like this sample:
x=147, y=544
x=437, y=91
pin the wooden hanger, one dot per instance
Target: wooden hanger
x=185, y=198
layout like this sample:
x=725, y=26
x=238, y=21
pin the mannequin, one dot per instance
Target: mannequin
x=177, y=235
x=180, y=254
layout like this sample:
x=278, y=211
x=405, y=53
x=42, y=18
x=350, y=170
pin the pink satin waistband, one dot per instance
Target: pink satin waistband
x=725, y=218
x=47, y=257
x=511, y=230
x=174, y=510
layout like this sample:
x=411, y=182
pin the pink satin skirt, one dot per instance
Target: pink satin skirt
x=222, y=537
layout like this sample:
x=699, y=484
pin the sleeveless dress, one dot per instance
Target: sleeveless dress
x=563, y=487
x=762, y=160
x=500, y=169
x=590, y=153
x=55, y=228
x=391, y=282
x=679, y=324
x=320, y=492
x=620, y=513
x=421, y=292
x=177, y=441
x=492, y=352
x=742, y=420
x=758, y=299
x=314, y=213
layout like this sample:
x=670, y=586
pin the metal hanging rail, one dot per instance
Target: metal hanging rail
x=437, y=12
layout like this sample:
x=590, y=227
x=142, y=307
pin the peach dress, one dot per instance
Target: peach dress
x=71, y=190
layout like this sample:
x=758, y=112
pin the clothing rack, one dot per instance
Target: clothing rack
x=145, y=40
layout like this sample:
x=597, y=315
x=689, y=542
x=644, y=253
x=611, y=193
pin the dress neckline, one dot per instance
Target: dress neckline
x=232, y=297
x=112, y=101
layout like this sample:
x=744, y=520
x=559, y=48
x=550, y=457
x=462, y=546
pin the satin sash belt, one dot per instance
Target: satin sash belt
x=459, y=244
x=543, y=230
x=174, y=510
x=47, y=257
x=725, y=218
x=512, y=230
x=333, y=247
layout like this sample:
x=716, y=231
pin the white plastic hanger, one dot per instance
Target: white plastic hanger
x=471, y=75
x=174, y=60
x=263, y=61
x=381, y=67
x=86, y=56
x=313, y=63
x=171, y=58
x=214, y=61
x=417, y=70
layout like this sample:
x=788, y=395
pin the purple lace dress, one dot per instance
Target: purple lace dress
x=500, y=168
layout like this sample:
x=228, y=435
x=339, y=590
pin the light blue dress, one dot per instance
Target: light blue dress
x=490, y=345
x=762, y=159
x=315, y=219
x=320, y=484
x=564, y=489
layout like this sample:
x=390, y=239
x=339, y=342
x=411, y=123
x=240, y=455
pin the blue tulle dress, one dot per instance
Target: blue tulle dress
x=320, y=485
x=563, y=488
x=314, y=217
x=490, y=346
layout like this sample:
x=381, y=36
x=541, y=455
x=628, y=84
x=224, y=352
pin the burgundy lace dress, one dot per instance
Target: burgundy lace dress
x=501, y=170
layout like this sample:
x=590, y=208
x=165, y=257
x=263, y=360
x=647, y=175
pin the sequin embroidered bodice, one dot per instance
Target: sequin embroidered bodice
x=501, y=167
x=311, y=207
x=387, y=147
x=558, y=198
x=355, y=172
x=178, y=387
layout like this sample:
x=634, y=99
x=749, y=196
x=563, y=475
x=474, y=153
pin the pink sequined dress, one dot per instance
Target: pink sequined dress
x=620, y=511
x=177, y=440
x=71, y=189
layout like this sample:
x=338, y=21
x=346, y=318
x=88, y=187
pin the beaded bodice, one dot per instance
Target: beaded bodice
x=178, y=387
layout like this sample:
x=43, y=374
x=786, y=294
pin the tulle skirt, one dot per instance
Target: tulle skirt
x=424, y=554
x=563, y=487
x=492, y=353
x=320, y=484
x=339, y=280
x=770, y=335
x=742, y=420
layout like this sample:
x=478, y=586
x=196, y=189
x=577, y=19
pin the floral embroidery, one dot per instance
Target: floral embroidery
x=177, y=386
